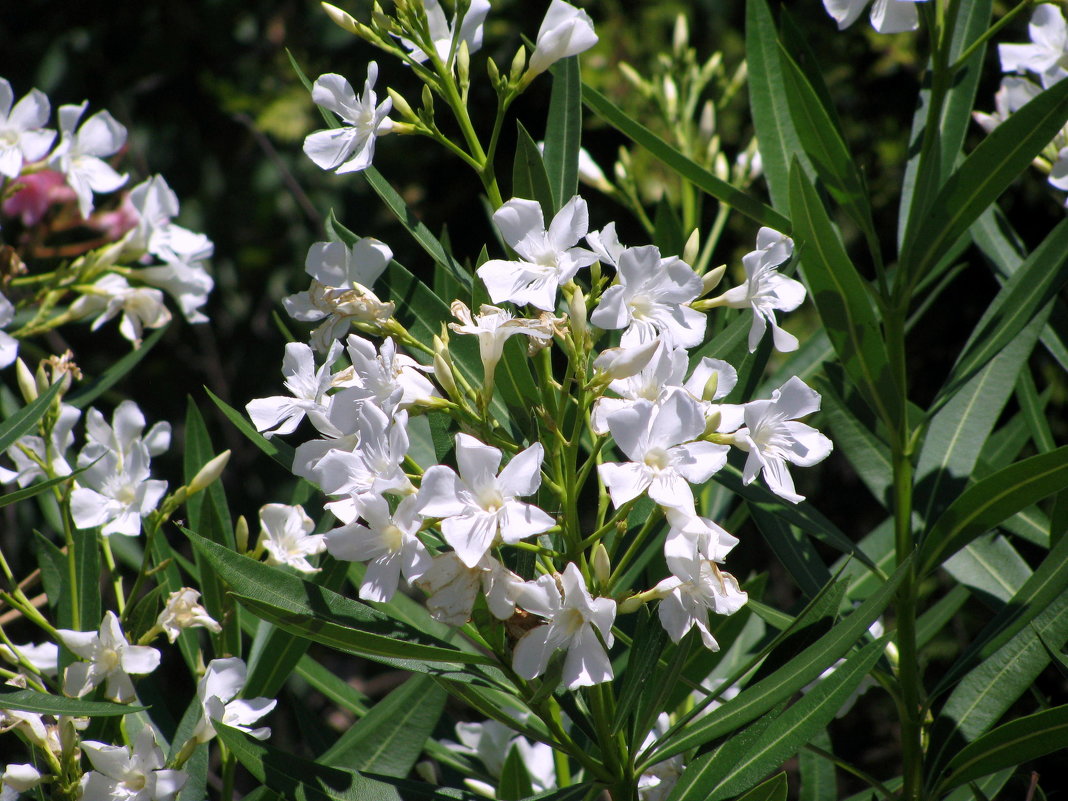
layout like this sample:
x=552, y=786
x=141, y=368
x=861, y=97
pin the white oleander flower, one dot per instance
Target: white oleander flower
x=123, y=436
x=110, y=658
x=27, y=470
x=650, y=300
x=1047, y=53
x=79, y=154
x=182, y=274
x=887, y=16
x=443, y=35
x=573, y=616
x=659, y=439
x=44, y=656
x=1014, y=93
x=307, y=386
x=696, y=537
x=493, y=326
x=656, y=783
x=548, y=257
x=491, y=741
x=223, y=681
x=9, y=346
x=130, y=774
x=18, y=779
x=479, y=507
x=565, y=31
x=451, y=587
x=772, y=437
x=141, y=307
x=115, y=496
x=351, y=147
x=388, y=543
x=341, y=288
x=765, y=289
x=286, y=535
x=695, y=588
x=23, y=139
x=184, y=611
x=393, y=380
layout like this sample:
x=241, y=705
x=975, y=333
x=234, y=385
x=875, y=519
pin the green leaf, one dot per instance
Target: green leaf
x=957, y=433
x=37, y=489
x=514, y=783
x=321, y=615
x=793, y=549
x=845, y=308
x=794, y=727
x=991, y=688
x=23, y=421
x=817, y=772
x=1020, y=300
x=868, y=454
x=1009, y=745
x=991, y=569
x=86, y=557
x=643, y=656
x=779, y=140
x=774, y=789
x=87, y=393
x=999, y=159
x=300, y=779
x=279, y=451
x=529, y=178
x=824, y=145
x=563, y=130
x=986, y=503
x=758, y=698
x=45, y=704
x=685, y=167
x=389, y=739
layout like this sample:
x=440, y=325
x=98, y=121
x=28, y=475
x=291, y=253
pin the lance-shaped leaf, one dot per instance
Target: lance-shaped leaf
x=1007, y=746
x=774, y=789
x=988, y=502
x=687, y=168
x=23, y=421
x=529, y=178
x=46, y=704
x=277, y=450
x=311, y=611
x=37, y=489
x=784, y=682
x=981, y=178
x=563, y=130
x=738, y=770
x=841, y=296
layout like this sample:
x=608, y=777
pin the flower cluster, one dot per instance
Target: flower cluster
x=115, y=262
x=1044, y=58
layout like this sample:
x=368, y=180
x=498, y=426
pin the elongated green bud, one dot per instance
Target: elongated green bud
x=692, y=248
x=711, y=279
x=241, y=534
x=209, y=473
x=401, y=105
x=519, y=63
x=342, y=19
x=27, y=384
x=602, y=565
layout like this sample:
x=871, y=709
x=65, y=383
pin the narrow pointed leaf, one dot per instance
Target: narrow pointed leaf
x=277, y=450
x=529, y=178
x=25, y=419
x=46, y=704
x=563, y=130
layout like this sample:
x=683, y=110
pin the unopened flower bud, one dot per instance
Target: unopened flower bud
x=618, y=363
x=241, y=534
x=711, y=279
x=40, y=378
x=720, y=166
x=681, y=36
x=671, y=97
x=707, y=124
x=209, y=473
x=493, y=72
x=443, y=369
x=428, y=102
x=576, y=309
x=27, y=384
x=692, y=249
x=401, y=105
x=602, y=565
x=379, y=18
x=342, y=19
x=463, y=64
x=711, y=385
x=631, y=75
x=712, y=422
x=632, y=604
x=519, y=63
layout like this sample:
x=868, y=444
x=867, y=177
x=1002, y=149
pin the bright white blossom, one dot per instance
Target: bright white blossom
x=772, y=437
x=351, y=147
x=491, y=742
x=650, y=300
x=388, y=543
x=656, y=783
x=451, y=587
x=130, y=774
x=695, y=588
x=765, y=289
x=443, y=35
x=9, y=346
x=44, y=656
x=17, y=779
x=1014, y=93
x=574, y=621
x=184, y=611
x=182, y=274
x=548, y=257
x=27, y=470
x=1047, y=54
x=141, y=307
x=392, y=379
x=109, y=658
x=286, y=535
x=223, y=681
x=307, y=386
x=696, y=537
x=115, y=496
x=565, y=31
x=887, y=16
x=478, y=507
x=124, y=435
x=23, y=139
x=493, y=326
x=341, y=288
x=79, y=154
x=659, y=439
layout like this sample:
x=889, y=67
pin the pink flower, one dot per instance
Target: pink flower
x=40, y=191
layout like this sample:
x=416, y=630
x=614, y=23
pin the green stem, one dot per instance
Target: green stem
x=987, y=35
x=633, y=549
x=116, y=579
